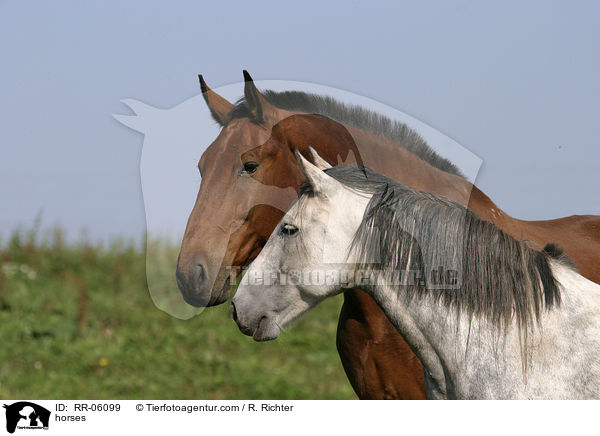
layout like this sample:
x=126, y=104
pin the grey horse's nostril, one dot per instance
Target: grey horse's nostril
x=233, y=312
x=248, y=331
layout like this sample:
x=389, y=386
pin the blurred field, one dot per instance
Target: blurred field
x=77, y=322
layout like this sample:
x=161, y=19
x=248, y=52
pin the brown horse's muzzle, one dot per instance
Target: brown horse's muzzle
x=197, y=287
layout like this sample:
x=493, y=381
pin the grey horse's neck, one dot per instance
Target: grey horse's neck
x=471, y=358
x=421, y=323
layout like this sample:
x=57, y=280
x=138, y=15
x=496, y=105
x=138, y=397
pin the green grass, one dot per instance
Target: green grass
x=77, y=322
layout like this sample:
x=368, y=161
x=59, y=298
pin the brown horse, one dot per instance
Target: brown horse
x=250, y=176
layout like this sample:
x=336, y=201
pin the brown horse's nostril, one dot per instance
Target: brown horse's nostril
x=192, y=282
x=200, y=273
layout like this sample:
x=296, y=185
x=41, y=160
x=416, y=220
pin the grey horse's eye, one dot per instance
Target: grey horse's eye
x=288, y=229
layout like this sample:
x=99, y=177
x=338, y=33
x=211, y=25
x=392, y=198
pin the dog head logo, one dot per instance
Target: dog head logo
x=26, y=415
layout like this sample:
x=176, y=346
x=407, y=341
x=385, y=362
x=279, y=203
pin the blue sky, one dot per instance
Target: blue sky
x=516, y=83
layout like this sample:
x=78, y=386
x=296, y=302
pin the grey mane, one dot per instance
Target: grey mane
x=354, y=116
x=499, y=277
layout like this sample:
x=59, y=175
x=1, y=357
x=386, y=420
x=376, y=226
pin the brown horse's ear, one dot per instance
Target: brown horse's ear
x=219, y=107
x=254, y=99
x=259, y=107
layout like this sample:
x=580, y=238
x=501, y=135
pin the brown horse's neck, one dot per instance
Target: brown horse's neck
x=344, y=145
x=396, y=162
x=386, y=157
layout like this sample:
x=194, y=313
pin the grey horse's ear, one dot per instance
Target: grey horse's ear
x=320, y=183
x=321, y=163
x=219, y=107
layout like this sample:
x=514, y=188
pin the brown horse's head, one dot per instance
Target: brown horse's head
x=250, y=177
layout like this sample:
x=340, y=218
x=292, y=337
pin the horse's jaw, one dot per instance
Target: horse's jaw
x=223, y=295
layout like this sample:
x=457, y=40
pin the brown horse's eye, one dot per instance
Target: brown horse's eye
x=249, y=167
x=288, y=229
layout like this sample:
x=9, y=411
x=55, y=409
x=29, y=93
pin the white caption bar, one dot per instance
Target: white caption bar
x=295, y=417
